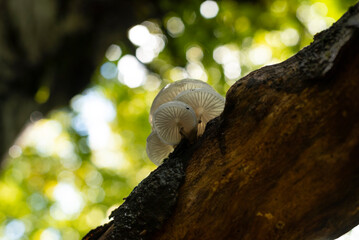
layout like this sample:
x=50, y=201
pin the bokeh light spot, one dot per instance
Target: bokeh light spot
x=225, y=54
x=314, y=17
x=15, y=229
x=96, y=195
x=153, y=82
x=273, y=38
x=108, y=158
x=95, y=112
x=279, y=6
x=138, y=35
x=70, y=233
x=15, y=151
x=68, y=198
x=108, y=70
x=36, y=116
x=145, y=55
x=94, y=179
x=317, y=25
x=319, y=8
x=43, y=135
x=131, y=72
x=209, y=9
x=50, y=234
x=194, y=54
x=196, y=71
x=229, y=57
x=151, y=48
x=175, y=26
x=150, y=43
x=260, y=55
x=37, y=201
x=113, y=52
x=242, y=24
x=95, y=217
x=42, y=95
x=178, y=73
x=232, y=70
x=289, y=37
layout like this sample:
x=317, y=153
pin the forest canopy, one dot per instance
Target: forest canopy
x=69, y=169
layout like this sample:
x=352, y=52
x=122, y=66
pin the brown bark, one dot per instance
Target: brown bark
x=282, y=161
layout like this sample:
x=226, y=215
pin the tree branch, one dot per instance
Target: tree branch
x=281, y=162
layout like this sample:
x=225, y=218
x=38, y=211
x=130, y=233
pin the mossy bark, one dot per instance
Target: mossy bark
x=282, y=161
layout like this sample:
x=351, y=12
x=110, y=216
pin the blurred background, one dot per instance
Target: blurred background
x=69, y=169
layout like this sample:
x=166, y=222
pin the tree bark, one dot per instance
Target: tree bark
x=281, y=162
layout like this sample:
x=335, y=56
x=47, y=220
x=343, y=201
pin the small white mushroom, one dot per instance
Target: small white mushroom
x=156, y=149
x=206, y=104
x=174, y=120
x=170, y=91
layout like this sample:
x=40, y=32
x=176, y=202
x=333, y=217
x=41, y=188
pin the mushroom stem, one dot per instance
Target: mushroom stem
x=191, y=136
x=199, y=118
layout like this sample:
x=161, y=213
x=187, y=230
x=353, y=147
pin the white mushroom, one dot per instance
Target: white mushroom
x=170, y=91
x=174, y=120
x=206, y=104
x=156, y=149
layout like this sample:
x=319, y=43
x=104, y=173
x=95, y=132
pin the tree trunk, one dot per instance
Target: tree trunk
x=50, y=49
x=281, y=162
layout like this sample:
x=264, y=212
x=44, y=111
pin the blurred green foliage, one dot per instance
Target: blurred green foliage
x=67, y=172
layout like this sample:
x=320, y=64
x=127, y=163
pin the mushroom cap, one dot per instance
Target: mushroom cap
x=156, y=149
x=170, y=91
x=173, y=120
x=206, y=104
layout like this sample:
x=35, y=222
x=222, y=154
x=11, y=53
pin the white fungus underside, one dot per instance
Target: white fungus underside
x=169, y=92
x=206, y=104
x=170, y=118
x=156, y=149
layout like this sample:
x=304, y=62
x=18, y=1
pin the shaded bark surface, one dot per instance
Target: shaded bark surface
x=281, y=162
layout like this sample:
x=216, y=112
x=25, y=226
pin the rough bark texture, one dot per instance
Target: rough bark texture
x=281, y=162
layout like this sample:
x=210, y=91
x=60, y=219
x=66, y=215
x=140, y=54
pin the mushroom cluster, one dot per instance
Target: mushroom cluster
x=180, y=110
